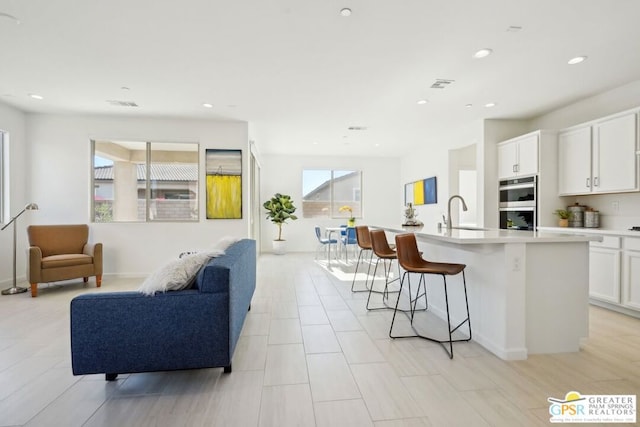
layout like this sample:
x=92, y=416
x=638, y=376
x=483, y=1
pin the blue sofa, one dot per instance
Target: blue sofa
x=125, y=332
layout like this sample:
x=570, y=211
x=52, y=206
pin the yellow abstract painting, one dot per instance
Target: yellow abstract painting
x=224, y=184
x=224, y=196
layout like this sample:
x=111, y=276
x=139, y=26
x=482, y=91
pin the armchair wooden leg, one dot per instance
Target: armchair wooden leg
x=34, y=290
x=85, y=279
x=98, y=281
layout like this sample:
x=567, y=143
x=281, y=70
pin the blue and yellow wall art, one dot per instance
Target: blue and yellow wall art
x=224, y=184
x=423, y=192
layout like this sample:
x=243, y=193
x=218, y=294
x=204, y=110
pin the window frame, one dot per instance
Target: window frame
x=148, y=184
x=333, y=205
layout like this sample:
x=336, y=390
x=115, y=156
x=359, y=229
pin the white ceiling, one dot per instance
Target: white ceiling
x=302, y=74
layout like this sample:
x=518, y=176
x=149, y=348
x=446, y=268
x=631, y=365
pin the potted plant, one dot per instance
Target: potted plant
x=279, y=209
x=351, y=222
x=564, y=216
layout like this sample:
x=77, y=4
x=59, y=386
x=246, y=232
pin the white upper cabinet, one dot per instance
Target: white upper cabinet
x=599, y=158
x=518, y=157
x=574, y=160
x=614, y=157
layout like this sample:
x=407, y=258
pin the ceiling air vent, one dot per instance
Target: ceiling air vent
x=118, y=103
x=441, y=83
x=357, y=128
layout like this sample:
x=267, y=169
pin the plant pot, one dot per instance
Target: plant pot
x=351, y=222
x=279, y=247
x=563, y=222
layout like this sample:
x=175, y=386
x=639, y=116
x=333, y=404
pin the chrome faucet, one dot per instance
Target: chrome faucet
x=464, y=208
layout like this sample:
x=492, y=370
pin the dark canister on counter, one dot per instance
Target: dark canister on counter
x=577, y=215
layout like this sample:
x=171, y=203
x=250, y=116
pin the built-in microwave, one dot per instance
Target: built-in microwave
x=518, y=192
x=518, y=203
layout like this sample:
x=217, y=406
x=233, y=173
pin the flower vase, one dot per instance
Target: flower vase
x=351, y=222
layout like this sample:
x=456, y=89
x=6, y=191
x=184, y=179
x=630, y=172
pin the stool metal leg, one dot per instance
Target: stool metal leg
x=355, y=273
x=385, y=292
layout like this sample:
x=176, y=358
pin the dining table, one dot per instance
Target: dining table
x=329, y=234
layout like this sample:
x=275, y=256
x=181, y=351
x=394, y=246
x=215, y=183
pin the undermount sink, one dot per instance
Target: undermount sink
x=470, y=228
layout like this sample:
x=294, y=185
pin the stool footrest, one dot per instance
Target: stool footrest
x=446, y=344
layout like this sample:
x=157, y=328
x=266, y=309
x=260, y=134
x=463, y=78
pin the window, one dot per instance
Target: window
x=144, y=181
x=325, y=191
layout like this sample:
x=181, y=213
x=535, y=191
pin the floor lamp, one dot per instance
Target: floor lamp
x=15, y=289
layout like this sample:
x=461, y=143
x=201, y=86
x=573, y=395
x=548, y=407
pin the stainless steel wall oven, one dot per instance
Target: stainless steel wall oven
x=518, y=203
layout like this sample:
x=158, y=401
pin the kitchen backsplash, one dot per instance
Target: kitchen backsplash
x=618, y=211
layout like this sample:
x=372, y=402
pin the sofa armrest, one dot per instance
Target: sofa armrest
x=35, y=264
x=123, y=332
x=94, y=250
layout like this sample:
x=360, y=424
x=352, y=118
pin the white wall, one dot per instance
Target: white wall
x=14, y=122
x=432, y=159
x=59, y=155
x=601, y=105
x=382, y=194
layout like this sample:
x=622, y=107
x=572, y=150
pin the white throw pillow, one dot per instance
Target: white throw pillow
x=223, y=244
x=178, y=274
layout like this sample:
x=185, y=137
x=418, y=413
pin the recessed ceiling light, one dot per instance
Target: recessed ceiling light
x=36, y=96
x=422, y=102
x=125, y=88
x=345, y=11
x=483, y=53
x=513, y=29
x=576, y=60
x=469, y=105
x=207, y=105
x=490, y=104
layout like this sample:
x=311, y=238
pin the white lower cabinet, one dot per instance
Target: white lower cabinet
x=604, y=274
x=631, y=273
x=604, y=270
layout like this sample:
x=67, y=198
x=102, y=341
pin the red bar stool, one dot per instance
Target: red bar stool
x=410, y=259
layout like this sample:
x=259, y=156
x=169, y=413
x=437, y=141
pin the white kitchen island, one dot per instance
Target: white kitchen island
x=528, y=291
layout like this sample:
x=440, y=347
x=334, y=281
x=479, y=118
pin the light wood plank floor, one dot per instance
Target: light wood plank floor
x=310, y=355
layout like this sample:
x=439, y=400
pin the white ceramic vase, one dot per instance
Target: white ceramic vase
x=279, y=247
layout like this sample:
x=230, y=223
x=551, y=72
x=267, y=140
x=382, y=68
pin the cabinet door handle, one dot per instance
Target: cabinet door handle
x=588, y=183
x=513, y=168
x=596, y=181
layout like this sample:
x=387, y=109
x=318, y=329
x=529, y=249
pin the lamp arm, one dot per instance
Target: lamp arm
x=13, y=219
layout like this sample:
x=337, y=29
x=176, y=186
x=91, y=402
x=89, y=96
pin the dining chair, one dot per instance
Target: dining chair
x=348, y=237
x=324, y=243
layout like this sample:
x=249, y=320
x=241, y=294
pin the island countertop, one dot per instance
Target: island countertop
x=475, y=236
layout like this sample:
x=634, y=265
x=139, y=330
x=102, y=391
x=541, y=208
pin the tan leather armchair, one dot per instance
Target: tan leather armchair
x=61, y=252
